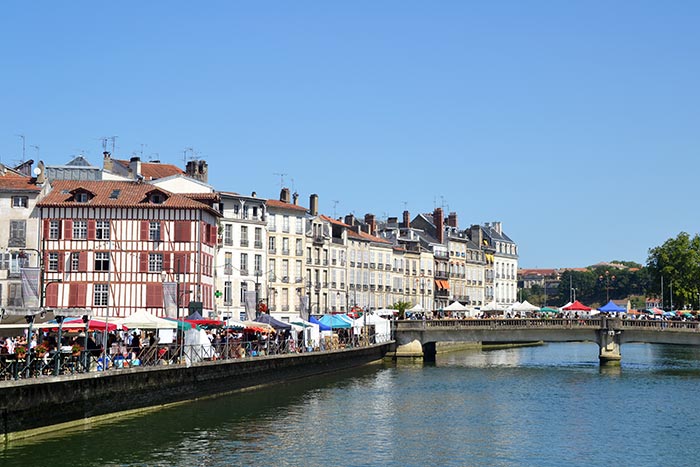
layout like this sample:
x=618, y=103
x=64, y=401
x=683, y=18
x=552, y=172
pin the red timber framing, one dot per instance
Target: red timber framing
x=112, y=253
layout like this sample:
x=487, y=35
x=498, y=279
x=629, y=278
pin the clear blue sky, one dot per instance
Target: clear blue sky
x=576, y=124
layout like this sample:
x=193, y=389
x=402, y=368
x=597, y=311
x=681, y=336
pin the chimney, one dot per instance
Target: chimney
x=295, y=198
x=452, y=219
x=313, y=205
x=476, y=235
x=107, y=162
x=392, y=221
x=350, y=220
x=41, y=173
x=135, y=167
x=197, y=170
x=285, y=195
x=371, y=222
x=253, y=195
x=439, y=222
x=498, y=227
x=406, y=220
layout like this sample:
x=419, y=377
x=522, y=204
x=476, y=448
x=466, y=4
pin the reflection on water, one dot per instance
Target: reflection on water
x=542, y=406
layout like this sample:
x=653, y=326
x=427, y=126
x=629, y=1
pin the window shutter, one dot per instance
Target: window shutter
x=82, y=295
x=73, y=295
x=143, y=262
x=45, y=233
x=46, y=261
x=154, y=295
x=144, y=230
x=166, y=261
x=91, y=230
x=82, y=261
x=61, y=261
x=51, y=297
x=183, y=231
x=213, y=234
x=180, y=265
x=68, y=229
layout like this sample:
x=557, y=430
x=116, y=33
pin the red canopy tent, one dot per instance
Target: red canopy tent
x=577, y=306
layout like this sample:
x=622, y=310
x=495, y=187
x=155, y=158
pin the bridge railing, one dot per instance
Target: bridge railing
x=415, y=325
x=657, y=325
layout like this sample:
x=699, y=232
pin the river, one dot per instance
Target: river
x=550, y=405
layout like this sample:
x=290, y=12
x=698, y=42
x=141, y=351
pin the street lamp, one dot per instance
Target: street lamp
x=607, y=279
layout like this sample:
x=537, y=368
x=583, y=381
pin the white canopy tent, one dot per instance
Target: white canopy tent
x=382, y=327
x=144, y=320
x=417, y=308
x=525, y=307
x=492, y=306
x=455, y=306
x=312, y=333
x=385, y=312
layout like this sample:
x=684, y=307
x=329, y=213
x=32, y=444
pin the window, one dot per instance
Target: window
x=244, y=289
x=300, y=225
x=271, y=223
x=154, y=231
x=244, y=264
x=102, y=261
x=258, y=265
x=228, y=234
x=81, y=197
x=285, y=270
x=258, y=237
x=100, y=295
x=245, y=212
x=155, y=262
x=297, y=271
x=54, y=230
x=227, y=294
x=228, y=263
x=271, y=245
x=255, y=212
x=157, y=198
x=53, y=261
x=102, y=230
x=75, y=261
x=285, y=223
x=244, y=235
x=18, y=233
x=285, y=246
x=79, y=230
x=20, y=201
x=300, y=249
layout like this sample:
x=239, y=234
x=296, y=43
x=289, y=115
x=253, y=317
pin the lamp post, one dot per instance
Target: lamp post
x=607, y=279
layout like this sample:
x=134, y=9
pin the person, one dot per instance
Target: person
x=135, y=345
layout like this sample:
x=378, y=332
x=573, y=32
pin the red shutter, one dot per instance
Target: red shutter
x=144, y=230
x=213, y=234
x=91, y=230
x=61, y=261
x=47, y=225
x=46, y=261
x=183, y=231
x=143, y=262
x=73, y=295
x=51, y=297
x=166, y=261
x=68, y=229
x=154, y=295
x=82, y=295
x=82, y=261
x=180, y=265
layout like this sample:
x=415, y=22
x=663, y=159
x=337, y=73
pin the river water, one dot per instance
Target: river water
x=537, y=406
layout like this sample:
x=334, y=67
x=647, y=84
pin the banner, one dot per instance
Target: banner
x=250, y=309
x=304, y=305
x=170, y=299
x=31, y=295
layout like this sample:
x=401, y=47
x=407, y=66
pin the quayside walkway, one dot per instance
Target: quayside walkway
x=417, y=339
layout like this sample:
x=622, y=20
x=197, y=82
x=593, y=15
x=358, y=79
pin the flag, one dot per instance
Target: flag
x=170, y=299
x=304, y=307
x=250, y=309
x=31, y=295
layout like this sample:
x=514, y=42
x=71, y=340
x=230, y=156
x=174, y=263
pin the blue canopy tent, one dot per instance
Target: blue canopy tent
x=611, y=307
x=336, y=322
x=321, y=326
x=276, y=324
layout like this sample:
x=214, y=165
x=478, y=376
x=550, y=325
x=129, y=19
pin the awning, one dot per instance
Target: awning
x=445, y=285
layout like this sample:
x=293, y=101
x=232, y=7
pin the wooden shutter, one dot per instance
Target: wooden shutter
x=73, y=295
x=61, y=261
x=154, y=295
x=47, y=227
x=166, y=261
x=82, y=295
x=68, y=229
x=181, y=263
x=82, y=261
x=213, y=235
x=51, y=297
x=91, y=230
x=143, y=262
x=183, y=232
x=144, y=230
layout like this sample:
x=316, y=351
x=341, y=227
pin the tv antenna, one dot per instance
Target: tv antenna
x=335, y=204
x=184, y=155
x=37, y=150
x=24, y=142
x=281, y=176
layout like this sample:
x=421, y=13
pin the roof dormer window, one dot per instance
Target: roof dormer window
x=81, y=197
x=157, y=198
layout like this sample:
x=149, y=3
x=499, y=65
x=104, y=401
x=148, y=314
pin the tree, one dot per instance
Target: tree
x=401, y=307
x=677, y=261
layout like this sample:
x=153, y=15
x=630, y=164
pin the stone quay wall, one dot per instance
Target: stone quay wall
x=42, y=405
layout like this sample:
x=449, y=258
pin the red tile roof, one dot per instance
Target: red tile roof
x=152, y=170
x=351, y=233
x=130, y=194
x=12, y=181
x=273, y=203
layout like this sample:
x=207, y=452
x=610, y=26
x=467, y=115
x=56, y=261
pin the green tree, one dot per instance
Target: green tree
x=401, y=307
x=678, y=262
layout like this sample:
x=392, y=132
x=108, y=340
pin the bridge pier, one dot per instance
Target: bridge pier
x=609, y=340
x=413, y=350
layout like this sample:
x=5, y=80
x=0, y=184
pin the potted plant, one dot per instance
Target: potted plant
x=20, y=351
x=41, y=350
x=76, y=350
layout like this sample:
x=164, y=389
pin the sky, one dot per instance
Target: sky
x=575, y=124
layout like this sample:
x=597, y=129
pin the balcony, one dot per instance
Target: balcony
x=325, y=262
x=352, y=264
x=380, y=266
x=272, y=228
x=299, y=280
x=317, y=240
x=272, y=277
x=273, y=307
x=244, y=243
x=442, y=275
x=285, y=307
x=228, y=302
x=272, y=251
x=317, y=261
x=285, y=279
x=285, y=251
x=334, y=261
x=333, y=285
x=258, y=244
x=244, y=272
x=442, y=293
x=308, y=261
x=342, y=285
x=372, y=265
x=299, y=252
x=228, y=270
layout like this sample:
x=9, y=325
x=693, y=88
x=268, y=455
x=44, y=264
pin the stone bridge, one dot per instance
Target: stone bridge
x=417, y=339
